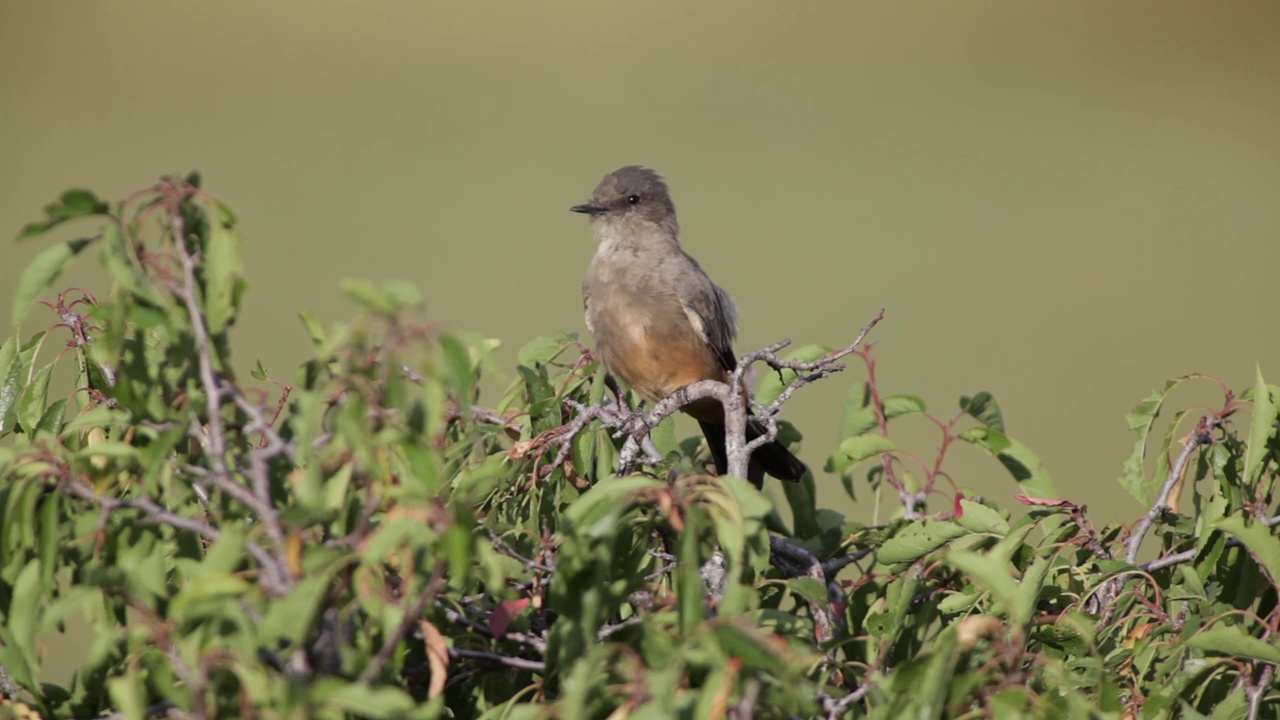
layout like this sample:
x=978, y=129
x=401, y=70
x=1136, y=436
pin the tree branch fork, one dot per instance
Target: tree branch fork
x=636, y=424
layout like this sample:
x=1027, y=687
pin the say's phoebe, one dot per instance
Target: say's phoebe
x=659, y=321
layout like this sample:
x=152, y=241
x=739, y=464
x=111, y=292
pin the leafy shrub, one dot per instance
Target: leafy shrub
x=367, y=541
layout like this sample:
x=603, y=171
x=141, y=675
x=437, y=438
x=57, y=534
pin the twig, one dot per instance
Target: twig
x=258, y=501
x=515, y=662
x=275, y=580
x=1091, y=540
x=1201, y=436
x=812, y=568
x=186, y=291
x=737, y=448
x=731, y=395
x=835, y=565
x=836, y=708
x=609, y=629
x=162, y=709
x=747, y=704
x=412, y=615
x=1189, y=555
x=534, y=642
x=1257, y=691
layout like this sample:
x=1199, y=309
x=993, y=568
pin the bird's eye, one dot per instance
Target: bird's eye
x=633, y=199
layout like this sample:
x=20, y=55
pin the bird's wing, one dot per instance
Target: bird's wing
x=712, y=314
x=586, y=307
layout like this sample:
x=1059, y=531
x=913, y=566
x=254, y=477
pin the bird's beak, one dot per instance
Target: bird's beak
x=589, y=208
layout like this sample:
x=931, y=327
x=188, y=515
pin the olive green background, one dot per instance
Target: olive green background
x=1064, y=203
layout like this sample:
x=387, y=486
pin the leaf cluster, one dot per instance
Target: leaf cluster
x=369, y=540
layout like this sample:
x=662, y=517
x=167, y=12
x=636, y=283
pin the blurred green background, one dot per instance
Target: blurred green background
x=1061, y=203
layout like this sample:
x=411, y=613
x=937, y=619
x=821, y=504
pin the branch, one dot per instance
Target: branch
x=186, y=291
x=736, y=446
x=1256, y=691
x=515, y=662
x=412, y=615
x=274, y=579
x=836, y=708
x=812, y=568
x=731, y=395
x=1202, y=435
x=1189, y=555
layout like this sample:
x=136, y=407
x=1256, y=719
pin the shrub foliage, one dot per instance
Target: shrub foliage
x=367, y=540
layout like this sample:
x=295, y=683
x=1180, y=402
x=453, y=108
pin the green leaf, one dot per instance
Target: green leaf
x=1232, y=640
x=118, y=258
x=23, y=618
x=51, y=421
x=458, y=361
x=205, y=593
x=1141, y=419
x=801, y=497
x=772, y=383
x=40, y=274
x=223, y=285
x=809, y=589
x=1261, y=541
x=315, y=328
x=404, y=292
x=544, y=407
x=857, y=448
x=746, y=645
x=109, y=448
x=128, y=696
x=543, y=350
x=992, y=575
x=607, y=497
x=689, y=585
x=78, y=202
x=370, y=296
x=31, y=406
x=1018, y=459
x=983, y=408
x=1028, y=590
x=979, y=518
x=930, y=692
x=98, y=416
x=664, y=436
x=12, y=372
x=860, y=415
x=73, y=204
x=1261, y=430
x=291, y=617
x=917, y=540
x=362, y=700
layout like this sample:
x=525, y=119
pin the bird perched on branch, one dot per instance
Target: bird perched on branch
x=659, y=321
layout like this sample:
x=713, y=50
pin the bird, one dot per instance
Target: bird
x=658, y=320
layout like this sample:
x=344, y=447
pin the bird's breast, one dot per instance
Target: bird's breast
x=642, y=332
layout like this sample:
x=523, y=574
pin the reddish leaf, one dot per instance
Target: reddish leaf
x=1044, y=502
x=437, y=658
x=501, y=617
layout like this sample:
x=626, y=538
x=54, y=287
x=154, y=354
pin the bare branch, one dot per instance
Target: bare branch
x=731, y=395
x=515, y=662
x=1257, y=691
x=1202, y=435
x=186, y=291
x=275, y=580
x=812, y=568
x=837, y=707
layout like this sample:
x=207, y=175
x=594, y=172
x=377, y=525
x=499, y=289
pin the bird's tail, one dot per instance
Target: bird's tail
x=772, y=458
